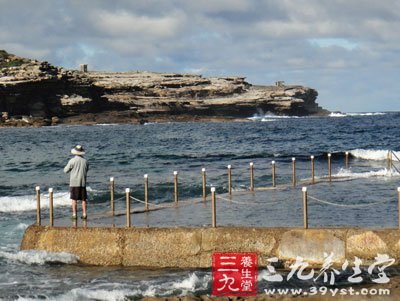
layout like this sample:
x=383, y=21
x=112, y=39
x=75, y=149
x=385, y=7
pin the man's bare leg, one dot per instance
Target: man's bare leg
x=73, y=202
x=84, y=207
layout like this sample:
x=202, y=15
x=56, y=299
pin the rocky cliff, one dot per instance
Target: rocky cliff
x=33, y=92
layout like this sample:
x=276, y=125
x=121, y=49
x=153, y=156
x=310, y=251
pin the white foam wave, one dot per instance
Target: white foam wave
x=28, y=202
x=22, y=226
x=143, y=289
x=192, y=283
x=337, y=114
x=340, y=114
x=371, y=154
x=358, y=175
x=40, y=257
x=188, y=283
x=270, y=117
x=366, y=114
x=99, y=294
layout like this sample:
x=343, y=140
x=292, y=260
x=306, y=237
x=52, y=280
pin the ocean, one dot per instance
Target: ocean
x=362, y=195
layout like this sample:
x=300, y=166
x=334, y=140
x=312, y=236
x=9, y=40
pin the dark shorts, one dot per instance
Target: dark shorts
x=78, y=193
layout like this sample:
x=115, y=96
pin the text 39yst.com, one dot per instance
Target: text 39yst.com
x=323, y=290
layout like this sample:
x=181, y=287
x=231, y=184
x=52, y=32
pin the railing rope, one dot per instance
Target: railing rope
x=348, y=206
x=143, y=202
x=247, y=203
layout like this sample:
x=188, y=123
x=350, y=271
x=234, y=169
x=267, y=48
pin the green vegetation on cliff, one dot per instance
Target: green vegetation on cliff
x=10, y=60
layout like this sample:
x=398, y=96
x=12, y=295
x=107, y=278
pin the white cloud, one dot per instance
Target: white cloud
x=126, y=24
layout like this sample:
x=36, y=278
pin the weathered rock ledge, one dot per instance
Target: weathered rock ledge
x=37, y=93
x=193, y=247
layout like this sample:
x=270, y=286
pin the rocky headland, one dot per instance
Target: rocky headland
x=35, y=93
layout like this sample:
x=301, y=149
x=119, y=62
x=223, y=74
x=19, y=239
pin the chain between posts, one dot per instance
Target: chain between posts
x=347, y=206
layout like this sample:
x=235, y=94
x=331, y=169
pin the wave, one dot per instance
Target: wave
x=371, y=154
x=28, y=202
x=369, y=174
x=40, y=257
x=366, y=114
x=191, y=283
x=271, y=117
x=339, y=114
x=116, y=291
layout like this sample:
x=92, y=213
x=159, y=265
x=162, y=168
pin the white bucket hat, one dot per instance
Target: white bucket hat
x=78, y=151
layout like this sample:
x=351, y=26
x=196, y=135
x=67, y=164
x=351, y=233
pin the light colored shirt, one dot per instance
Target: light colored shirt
x=78, y=167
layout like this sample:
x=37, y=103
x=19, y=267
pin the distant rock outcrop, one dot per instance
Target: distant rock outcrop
x=37, y=93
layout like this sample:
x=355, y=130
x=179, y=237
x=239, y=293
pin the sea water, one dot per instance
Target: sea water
x=36, y=156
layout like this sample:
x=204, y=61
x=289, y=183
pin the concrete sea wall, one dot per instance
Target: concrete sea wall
x=193, y=247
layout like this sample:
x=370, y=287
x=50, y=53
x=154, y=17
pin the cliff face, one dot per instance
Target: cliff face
x=40, y=92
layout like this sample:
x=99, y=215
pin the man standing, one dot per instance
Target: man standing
x=78, y=167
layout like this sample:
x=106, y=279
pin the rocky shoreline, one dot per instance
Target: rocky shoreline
x=34, y=93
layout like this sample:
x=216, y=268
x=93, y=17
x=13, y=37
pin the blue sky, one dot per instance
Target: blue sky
x=349, y=51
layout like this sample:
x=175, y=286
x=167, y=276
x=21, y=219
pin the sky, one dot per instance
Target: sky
x=348, y=50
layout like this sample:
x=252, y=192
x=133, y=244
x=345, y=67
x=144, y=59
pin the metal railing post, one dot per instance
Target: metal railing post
x=330, y=167
x=305, y=209
x=176, y=192
x=273, y=174
x=51, y=207
x=146, y=192
x=294, y=172
x=112, y=198
x=128, y=207
x=312, y=170
x=213, y=208
x=38, y=214
x=230, y=179
x=204, y=180
x=251, y=176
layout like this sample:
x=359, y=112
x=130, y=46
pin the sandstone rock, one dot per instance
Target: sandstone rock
x=39, y=89
x=367, y=244
x=311, y=245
